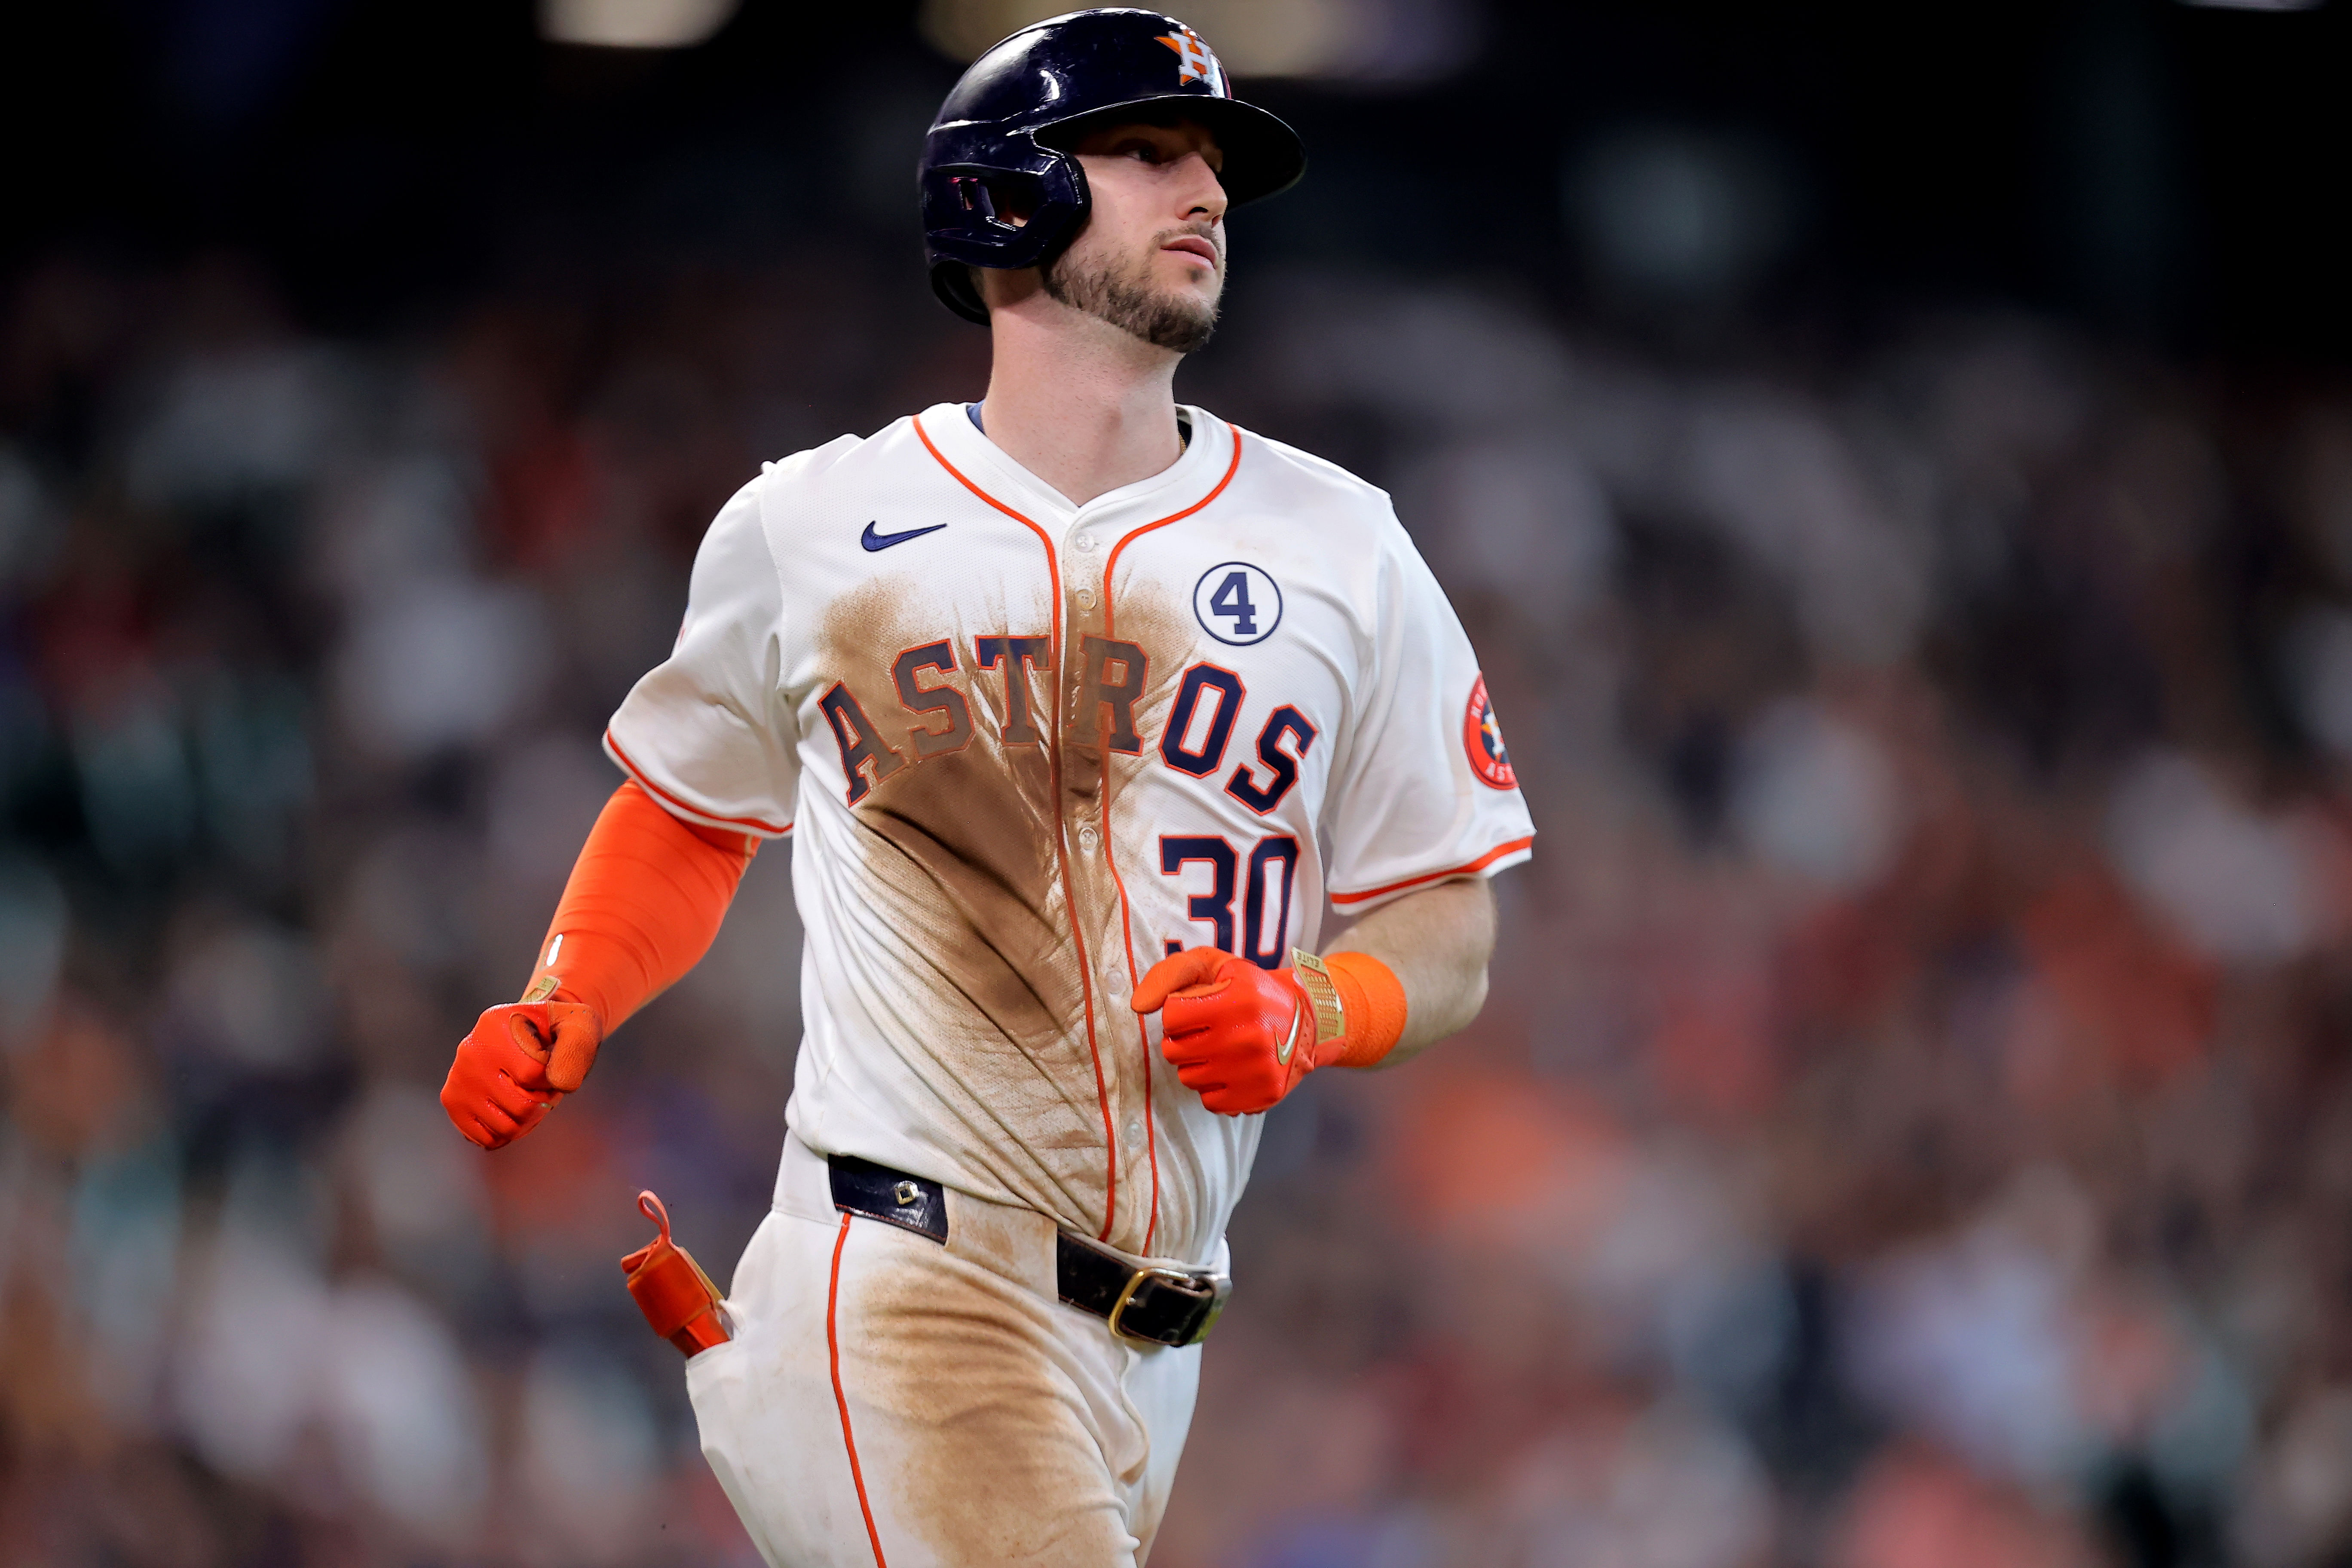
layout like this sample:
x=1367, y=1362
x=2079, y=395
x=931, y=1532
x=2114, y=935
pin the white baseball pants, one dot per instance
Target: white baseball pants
x=888, y=1402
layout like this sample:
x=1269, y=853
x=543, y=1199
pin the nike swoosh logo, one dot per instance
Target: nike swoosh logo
x=872, y=541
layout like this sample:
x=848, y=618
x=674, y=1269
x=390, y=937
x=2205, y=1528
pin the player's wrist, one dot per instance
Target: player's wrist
x=1368, y=999
x=551, y=987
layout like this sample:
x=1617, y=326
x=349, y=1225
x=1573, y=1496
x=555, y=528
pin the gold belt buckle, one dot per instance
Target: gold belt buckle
x=1193, y=1285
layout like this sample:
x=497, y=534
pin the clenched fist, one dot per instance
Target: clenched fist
x=1239, y=1036
x=519, y=1059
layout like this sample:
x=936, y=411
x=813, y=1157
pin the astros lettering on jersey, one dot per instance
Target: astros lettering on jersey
x=1027, y=748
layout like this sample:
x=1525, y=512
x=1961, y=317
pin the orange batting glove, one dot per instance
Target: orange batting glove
x=519, y=1059
x=1241, y=1036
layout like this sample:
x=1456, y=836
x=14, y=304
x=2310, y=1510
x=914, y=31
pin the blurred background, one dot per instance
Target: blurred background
x=1896, y=463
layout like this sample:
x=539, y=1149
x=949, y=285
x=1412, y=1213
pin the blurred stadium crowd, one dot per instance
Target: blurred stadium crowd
x=1910, y=1130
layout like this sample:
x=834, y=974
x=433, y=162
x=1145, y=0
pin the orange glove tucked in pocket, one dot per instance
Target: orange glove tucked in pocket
x=677, y=1297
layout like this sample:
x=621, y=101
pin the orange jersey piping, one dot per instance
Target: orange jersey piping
x=1480, y=864
x=647, y=785
x=1110, y=853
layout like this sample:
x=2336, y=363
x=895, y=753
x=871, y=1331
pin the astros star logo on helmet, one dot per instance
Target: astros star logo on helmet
x=1195, y=62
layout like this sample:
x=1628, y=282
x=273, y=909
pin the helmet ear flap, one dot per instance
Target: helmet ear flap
x=957, y=286
x=1002, y=201
x=986, y=212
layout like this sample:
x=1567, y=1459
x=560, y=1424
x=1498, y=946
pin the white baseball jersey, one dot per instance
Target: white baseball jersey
x=1028, y=748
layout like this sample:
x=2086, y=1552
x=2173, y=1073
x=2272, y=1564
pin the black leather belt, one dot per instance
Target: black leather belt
x=1166, y=1306
x=1160, y=1306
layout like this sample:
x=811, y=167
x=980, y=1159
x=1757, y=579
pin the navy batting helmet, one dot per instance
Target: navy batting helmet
x=1003, y=135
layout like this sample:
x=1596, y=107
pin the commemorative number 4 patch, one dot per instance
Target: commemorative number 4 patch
x=1237, y=604
x=1481, y=738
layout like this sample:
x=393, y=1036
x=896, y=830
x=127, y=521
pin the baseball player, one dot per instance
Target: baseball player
x=1084, y=708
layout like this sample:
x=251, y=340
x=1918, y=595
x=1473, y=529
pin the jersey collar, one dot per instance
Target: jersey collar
x=1174, y=487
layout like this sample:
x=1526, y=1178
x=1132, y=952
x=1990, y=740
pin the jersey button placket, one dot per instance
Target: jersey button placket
x=1086, y=548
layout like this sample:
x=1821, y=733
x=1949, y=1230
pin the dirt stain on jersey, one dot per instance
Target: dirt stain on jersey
x=967, y=927
x=969, y=930
x=1096, y=779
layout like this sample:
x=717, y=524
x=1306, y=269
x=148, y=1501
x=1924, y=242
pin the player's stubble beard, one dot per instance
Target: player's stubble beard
x=1121, y=293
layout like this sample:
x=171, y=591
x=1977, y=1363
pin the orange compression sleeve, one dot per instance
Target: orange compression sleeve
x=1372, y=999
x=646, y=898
